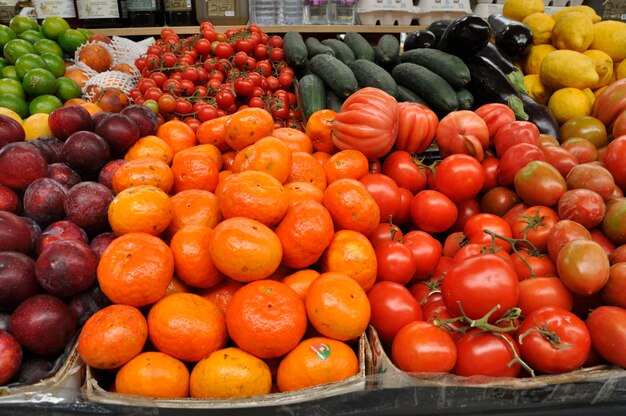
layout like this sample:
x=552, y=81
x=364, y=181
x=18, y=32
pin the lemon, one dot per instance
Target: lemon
x=610, y=36
x=573, y=31
x=540, y=24
x=604, y=66
x=568, y=103
x=11, y=113
x=589, y=93
x=519, y=9
x=536, y=89
x=36, y=126
x=620, y=70
x=535, y=57
x=589, y=11
x=565, y=68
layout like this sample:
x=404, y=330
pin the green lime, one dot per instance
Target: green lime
x=71, y=39
x=16, y=48
x=54, y=64
x=9, y=72
x=53, y=26
x=20, y=24
x=39, y=81
x=6, y=34
x=47, y=45
x=15, y=103
x=27, y=62
x=31, y=36
x=45, y=103
x=67, y=89
x=3, y=62
x=13, y=87
x=84, y=31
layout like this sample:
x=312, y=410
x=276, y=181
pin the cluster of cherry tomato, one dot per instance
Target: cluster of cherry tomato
x=211, y=74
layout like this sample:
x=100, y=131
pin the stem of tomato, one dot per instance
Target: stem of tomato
x=513, y=242
x=516, y=357
x=551, y=336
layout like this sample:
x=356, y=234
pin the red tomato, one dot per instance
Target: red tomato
x=453, y=243
x=515, y=158
x=460, y=177
x=562, y=233
x=417, y=127
x=432, y=211
x=610, y=103
x=479, y=249
x=539, y=183
x=475, y=230
x=224, y=50
x=396, y=262
x=598, y=236
x=614, y=292
x=406, y=170
x=607, y=327
x=479, y=284
x=403, y=213
x=486, y=354
x=498, y=201
x=426, y=251
x=613, y=159
x=423, y=347
x=583, y=266
x=543, y=291
x=495, y=115
x=490, y=166
x=583, y=206
x=426, y=291
x=614, y=222
x=466, y=209
x=553, y=340
x=534, y=224
x=385, y=192
x=374, y=114
x=530, y=265
x=582, y=149
x=462, y=132
x=560, y=158
x=393, y=307
x=515, y=133
x=384, y=232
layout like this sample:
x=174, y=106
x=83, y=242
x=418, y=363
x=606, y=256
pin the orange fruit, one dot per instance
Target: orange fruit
x=186, y=326
x=351, y=253
x=245, y=249
x=351, y=206
x=212, y=132
x=194, y=207
x=321, y=157
x=305, y=232
x=240, y=375
x=337, y=306
x=135, y=269
x=74, y=101
x=301, y=280
x=177, y=286
x=266, y=318
x=305, y=168
x=301, y=191
x=153, y=374
x=296, y=140
x=194, y=169
x=316, y=361
x=140, y=209
x=150, y=147
x=92, y=108
x=78, y=75
x=269, y=155
x=112, y=336
x=319, y=127
x=347, y=163
x=221, y=293
x=253, y=194
x=247, y=126
x=143, y=172
x=212, y=151
x=177, y=135
x=192, y=260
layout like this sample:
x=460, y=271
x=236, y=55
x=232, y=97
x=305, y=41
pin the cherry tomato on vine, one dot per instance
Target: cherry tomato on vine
x=225, y=98
x=183, y=106
x=224, y=50
x=275, y=41
x=167, y=103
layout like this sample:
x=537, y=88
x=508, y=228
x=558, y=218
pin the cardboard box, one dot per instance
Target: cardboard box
x=614, y=10
x=94, y=393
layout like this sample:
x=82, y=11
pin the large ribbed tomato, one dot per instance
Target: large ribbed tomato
x=462, y=131
x=368, y=122
x=417, y=128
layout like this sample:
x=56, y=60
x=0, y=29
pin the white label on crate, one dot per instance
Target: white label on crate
x=99, y=9
x=222, y=8
x=177, y=5
x=48, y=8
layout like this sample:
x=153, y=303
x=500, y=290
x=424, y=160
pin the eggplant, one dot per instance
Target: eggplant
x=438, y=27
x=488, y=84
x=496, y=57
x=420, y=39
x=465, y=36
x=511, y=36
x=541, y=116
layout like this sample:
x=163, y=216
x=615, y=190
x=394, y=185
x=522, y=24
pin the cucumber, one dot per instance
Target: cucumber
x=360, y=46
x=466, y=99
x=342, y=51
x=439, y=95
x=336, y=75
x=449, y=67
x=388, y=50
x=295, y=49
x=368, y=74
x=315, y=47
x=312, y=94
x=332, y=101
x=405, y=94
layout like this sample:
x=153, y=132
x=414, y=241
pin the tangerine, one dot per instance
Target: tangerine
x=194, y=169
x=301, y=280
x=347, y=163
x=247, y=126
x=143, y=172
x=302, y=191
x=351, y=253
x=305, y=168
x=192, y=260
x=212, y=132
x=194, y=207
x=296, y=140
x=153, y=374
x=221, y=293
x=351, y=206
x=319, y=128
x=150, y=147
x=177, y=135
x=140, y=209
x=269, y=155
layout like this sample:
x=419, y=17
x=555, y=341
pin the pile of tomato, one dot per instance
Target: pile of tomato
x=211, y=74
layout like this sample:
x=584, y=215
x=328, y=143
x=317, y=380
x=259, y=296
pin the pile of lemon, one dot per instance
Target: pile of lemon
x=575, y=55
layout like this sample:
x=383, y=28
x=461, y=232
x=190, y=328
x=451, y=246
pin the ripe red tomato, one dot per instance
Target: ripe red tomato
x=490, y=166
x=530, y=265
x=423, y=347
x=466, y=209
x=539, y=183
x=613, y=159
x=396, y=262
x=608, y=338
x=392, y=307
x=183, y=106
x=427, y=251
x=385, y=192
x=553, y=340
x=543, y=291
x=583, y=266
x=403, y=213
x=515, y=158
x=584, y=206
x=498, y=201
x=560, y=158
x=384, y=232
x=462, y=132
x=475, y=228
x=478, y=285
x=406, y=170
x=614, y=292
x=432, y=211
x=562, y=233
x=486, y=354
x=614, y=223
x=224, y=50
x=534, y=224
x=417, y=127
x=495, y=115
x=514, y=133
x=460, y=177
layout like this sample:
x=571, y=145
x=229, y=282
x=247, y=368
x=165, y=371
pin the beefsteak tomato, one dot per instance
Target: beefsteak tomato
x=463, y=131
x=417, y=127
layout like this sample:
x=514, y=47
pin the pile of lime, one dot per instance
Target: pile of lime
x=33, y=63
